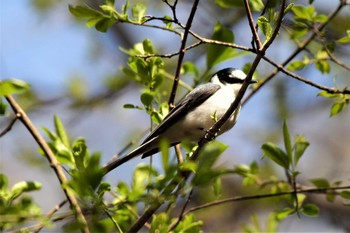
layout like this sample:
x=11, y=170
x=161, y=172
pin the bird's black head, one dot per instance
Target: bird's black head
x=231, y=76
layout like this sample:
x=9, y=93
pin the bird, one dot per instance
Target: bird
x=194, y=115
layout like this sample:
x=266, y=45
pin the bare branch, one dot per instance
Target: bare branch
x=22, y=116
x=252, y=26
x=182, y=53
x=9, y=126
x=260, y=196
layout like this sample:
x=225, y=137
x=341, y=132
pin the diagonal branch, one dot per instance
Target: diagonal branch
x=182, y=53
x=256, y=38
x=300, y=48
x=23, y=117
x=259, y=196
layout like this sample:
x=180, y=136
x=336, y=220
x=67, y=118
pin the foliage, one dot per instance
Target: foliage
x=164, y=193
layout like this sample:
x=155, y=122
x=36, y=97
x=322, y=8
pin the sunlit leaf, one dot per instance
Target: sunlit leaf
x=300, y=145
x=320, y=183
x=287, y=141
x=12, y=86
x=345, y=194
x=24, y=186
x=311, y=210
x=61, y=131
x=275, y=154
x=217, y=53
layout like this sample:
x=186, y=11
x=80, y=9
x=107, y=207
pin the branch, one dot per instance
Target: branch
x=9, y=127
x=304, y=80
x=182, y=52
x=22, y=116
x=252, y=26
x=300, y=48
x=259, y=196
x=182, y=177
x=330, y=55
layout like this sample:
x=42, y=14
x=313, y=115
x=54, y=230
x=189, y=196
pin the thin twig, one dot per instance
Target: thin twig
x=22, y=116
x=49, y=215
x=182, y=54
x=300, y=48
x=259, y=196
x=9, y=126
x=252, y=26
x=304, y=80
x=329, y=53
x=173, y=225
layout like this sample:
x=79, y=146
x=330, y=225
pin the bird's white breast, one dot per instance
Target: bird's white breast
x=198, y=121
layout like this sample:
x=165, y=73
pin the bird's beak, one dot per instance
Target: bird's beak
x=252, y=81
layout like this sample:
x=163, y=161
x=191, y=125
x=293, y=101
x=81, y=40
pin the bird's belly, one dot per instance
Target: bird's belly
x=196, y=123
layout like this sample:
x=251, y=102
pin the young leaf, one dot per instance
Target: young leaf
x=275, y=154
x=320, y=183
x=296, y=65
x=138, y=12
x=300, y=145
x=216, y=53
x=24, y=186
x=3, y=107
x=287, y=141
x=311, y=210
x=61, y=132
x=345, y=194
x=12, y=86
x=337, y=108
x=265, y=27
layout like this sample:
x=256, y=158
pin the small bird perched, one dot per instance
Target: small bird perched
x=193, y=115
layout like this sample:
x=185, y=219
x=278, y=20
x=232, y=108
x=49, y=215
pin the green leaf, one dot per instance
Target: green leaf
x=80, y=153
x=256, y=5
x=345, y=194
x=265, y=27
x=24, y=186
x=300, y=145
x=147, y=46
x=320, y=183
x=208, y=157
x=147, y=98
x=337, y=108
x=344, y=40
x=13, y=86
x=83, y=12
x=311, y=210
x=190, y=68
x=287, y=141
x=61, y=132
x=217, y=53
x=4, y=182
x=217, y=187
x=296, y=65
x=188, y=224
x=284, y=213
x=164, y=149
x=160, y=223
x=273, y=152
x=138, y=12
x=323, y=66
x=3, y=107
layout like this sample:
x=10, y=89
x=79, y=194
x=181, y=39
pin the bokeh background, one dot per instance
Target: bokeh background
x=75, y=73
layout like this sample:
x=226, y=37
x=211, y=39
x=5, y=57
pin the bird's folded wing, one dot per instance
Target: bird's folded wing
x=192, y=100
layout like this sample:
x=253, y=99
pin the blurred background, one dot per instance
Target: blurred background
x=75, y=73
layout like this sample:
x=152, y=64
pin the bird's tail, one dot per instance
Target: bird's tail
x=144, y=148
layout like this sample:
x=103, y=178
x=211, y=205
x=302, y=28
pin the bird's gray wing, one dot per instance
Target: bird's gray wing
x=192, y=100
